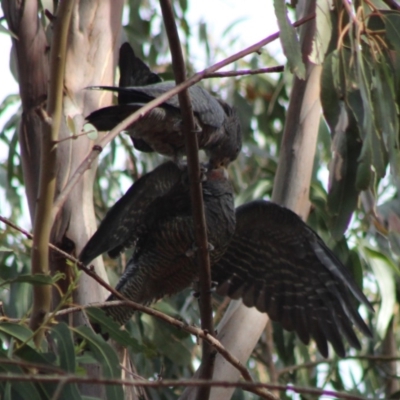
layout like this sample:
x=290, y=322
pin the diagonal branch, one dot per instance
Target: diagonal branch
x=244, y=72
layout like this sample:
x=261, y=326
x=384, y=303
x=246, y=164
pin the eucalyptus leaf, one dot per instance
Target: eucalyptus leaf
x=17, y=331
x=37, y=279
x=392, y=22
x=383, y=270
x=106, y=356
x=323, y=31
x=110, y=327
x=289, y=40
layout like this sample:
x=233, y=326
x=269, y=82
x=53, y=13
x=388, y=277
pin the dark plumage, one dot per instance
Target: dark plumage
x=271, y=258
x=133, y=72
x=164, y=260
x=279, y=265
x=121, y=226
x=160, y=130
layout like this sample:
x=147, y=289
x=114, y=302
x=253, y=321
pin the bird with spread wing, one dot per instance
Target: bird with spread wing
x=270, y=258
x=278, y=264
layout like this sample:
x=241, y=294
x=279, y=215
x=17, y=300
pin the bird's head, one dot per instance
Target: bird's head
x=226, y=149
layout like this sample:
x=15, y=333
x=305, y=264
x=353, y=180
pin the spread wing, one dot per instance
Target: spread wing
x=278, y=264
x=121, y=225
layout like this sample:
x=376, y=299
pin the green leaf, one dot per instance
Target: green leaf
x=5, y=249
x=383, y=269
x=16, y=331
x=392, y=22
x=384, y=98
x=25, y=390
x=106, y=356
x=108, y=325
x=323, y=31
x=394, y=232
x=289, y=40
x=65, y=347
x=38, y=279
x=180, y=345
x=30, y=354
x=66, y=352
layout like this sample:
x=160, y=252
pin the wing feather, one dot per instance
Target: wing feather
x=121, y=225
x=278, y=264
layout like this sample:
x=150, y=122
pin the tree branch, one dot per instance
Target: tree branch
x=199, y=219
x=47, y=180
x=169, y=382
x=224, y=74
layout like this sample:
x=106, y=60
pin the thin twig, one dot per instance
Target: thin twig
x=199, y=219
x=224, y=74
x=313, y=364
x=154, y=103
x=169, y=382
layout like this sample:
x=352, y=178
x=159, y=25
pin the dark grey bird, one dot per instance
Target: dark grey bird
x=278, y=264
x=164, y=261
x=133, y=72
x=219, y=131
x=121, y=226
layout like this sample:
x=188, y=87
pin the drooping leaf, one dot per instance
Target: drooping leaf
x=106, y=356
x=65, y=347
x=38, y=279
x=384, y=270
x=323, y=31
x=289, y=40
x=346, y=146
x=17, y=331
x=66, y=353
x=392, y=23
x=110, y=327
